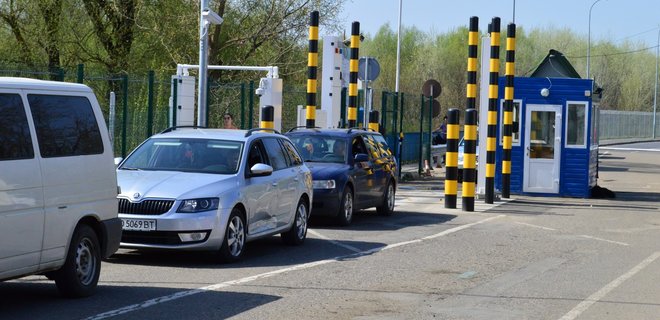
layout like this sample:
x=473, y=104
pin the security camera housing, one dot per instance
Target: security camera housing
x=212, y=17
x=259, y=91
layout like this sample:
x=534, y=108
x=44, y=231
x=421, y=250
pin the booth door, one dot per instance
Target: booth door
x=542, y=148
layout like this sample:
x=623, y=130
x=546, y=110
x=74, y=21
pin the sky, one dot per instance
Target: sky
x=615, y=20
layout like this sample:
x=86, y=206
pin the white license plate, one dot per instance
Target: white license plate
x=138, y=224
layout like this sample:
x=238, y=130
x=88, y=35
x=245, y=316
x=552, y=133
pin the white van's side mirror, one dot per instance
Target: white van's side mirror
x=118, y=161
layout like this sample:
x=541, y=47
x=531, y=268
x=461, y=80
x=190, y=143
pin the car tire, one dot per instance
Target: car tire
x=79, y=275
x=298, y=232
x=387, y=208
x=346, y=207
x=233, y=245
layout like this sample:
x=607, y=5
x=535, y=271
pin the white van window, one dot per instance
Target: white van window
x=65, y=126
x=15, y=140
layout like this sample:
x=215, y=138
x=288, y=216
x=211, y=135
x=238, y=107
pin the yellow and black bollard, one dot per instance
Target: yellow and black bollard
x=470, y=136
x=491, y=140
x=353, y=75
x=267, y=117
x=373, y=120
x=451, y=159
x=312, y=67
x=508, y=109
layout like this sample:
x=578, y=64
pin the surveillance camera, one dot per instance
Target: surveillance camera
x=212, y=17
x=259, y=91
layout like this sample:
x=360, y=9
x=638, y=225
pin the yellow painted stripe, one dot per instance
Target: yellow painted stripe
x=491, y=143
x=494, y=65
x=468, y=189
x=352, y=113
x=494, y=39
x=353, y=65
x=471, y=90
x=506, y=167
x=267, y=124
x=469, y=161
x=312, y=59
x=472, y=64
x=492, y=91
x=310, y=112
x=508, y=117
x=473, y=38
x=313, y=33
x=490, y=170
x=470, y=132
x=352, y=89
x=510, y=44
x=510, y=69
x=452, y=131
x=373, y=126
x=355, y=41
x=507, y=142
x=508, y=93
x=451, y=159
x=492, y=117
x=311, y=85
x=451, y=187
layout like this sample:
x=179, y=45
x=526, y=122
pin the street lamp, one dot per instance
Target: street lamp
x=589, y=37
x=207, y=17
x=655, y=92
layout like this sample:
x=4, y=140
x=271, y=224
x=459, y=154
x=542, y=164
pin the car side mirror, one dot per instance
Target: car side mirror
x=261, y=170
x=118, y=161
x=361, y=157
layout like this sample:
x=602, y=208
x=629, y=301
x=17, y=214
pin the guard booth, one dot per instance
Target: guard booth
x=555, y=123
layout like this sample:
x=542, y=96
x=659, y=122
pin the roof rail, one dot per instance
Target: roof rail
x=170, y=129
x=354, y=128
x=302, y=127
x=249, y=132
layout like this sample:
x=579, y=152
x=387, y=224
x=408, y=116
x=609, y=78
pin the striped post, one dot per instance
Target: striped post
x=508, y=109
x=469, y=159
x=451, y=159
x=491, y=141
x=470, y=136
x=373, y=120
x=353, y=75
x=267, y=117
x=312, y=67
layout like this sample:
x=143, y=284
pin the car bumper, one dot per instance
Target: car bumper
x=208, y=226
x=326, y=202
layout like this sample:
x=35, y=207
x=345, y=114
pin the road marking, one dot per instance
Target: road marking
x=629, y=149
x=535, y=226
x=335, y=242
x=585, y=304
x=187, y=293
x=601, y=239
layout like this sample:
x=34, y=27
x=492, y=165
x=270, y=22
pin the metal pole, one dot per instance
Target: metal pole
x=514, y=11
x=655, y=92
x=398, y=49
x=203, y=65
x=150, y=103
x=589, y=38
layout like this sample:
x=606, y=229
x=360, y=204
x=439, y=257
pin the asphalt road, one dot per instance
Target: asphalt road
x=526, y=258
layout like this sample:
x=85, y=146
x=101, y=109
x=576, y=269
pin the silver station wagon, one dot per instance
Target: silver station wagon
x=213, y=189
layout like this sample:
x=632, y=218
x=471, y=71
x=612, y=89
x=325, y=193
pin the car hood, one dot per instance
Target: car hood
x=326, y=170
x=172, y=184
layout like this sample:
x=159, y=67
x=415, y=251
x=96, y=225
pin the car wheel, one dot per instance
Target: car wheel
x=345, y=214
x=387, y=208
x=234, y=242
x=296, y=235
x=79, y=275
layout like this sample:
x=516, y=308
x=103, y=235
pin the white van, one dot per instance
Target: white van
x=58, y=188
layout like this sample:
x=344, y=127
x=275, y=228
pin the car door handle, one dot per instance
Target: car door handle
x=274, y=184
x=295, y=179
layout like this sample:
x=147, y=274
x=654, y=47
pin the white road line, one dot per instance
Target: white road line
x=601, y=239
x=535, y=226
x=584, y=305
x=629, y=149
x=187, y=293
x=335, y=242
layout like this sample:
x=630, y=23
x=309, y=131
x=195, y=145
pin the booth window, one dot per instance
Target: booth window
x=576, y=124
x=515, y=134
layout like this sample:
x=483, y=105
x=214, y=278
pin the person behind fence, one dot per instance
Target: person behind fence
x=229, y=121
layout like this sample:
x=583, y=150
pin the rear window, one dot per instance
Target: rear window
x=320, y=148
x=15, y=140
x=65, y=125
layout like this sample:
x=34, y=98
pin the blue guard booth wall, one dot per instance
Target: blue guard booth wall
x=578, y=141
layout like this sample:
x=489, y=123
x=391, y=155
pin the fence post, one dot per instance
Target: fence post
x=81, y=73
x=175, y=107
x=208, y=100
x=150, y=103
x=421, y=133
x=242, y=105
x=251, y=104
x=383, y=109
x=428, y=145
x=401, y=137
x=124, y=79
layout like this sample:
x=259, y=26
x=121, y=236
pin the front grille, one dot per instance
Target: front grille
x=146, y=207
x=158, y=237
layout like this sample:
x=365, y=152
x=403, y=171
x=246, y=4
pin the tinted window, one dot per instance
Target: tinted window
x=275, y=154
x=66, y=126
x=255, y=155
x=383, y=148
x=293, y=156
x=15, y=140
x=320, y=148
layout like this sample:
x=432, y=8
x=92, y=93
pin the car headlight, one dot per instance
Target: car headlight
x=323, y=184
x=198, y=205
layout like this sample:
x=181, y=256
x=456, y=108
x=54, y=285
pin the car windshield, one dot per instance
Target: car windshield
x=320, y=148
x=189, y=155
